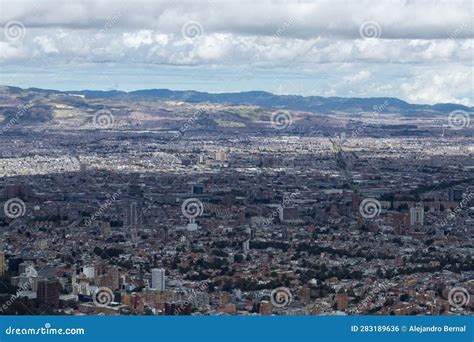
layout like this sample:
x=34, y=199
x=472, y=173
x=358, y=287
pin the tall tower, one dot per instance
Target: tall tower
x=133, y=219
x=158, y=279
x=417, y=215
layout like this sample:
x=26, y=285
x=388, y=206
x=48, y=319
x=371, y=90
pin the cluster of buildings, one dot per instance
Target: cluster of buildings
x=202, y=226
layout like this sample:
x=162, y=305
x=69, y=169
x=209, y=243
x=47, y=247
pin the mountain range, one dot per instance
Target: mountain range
x=316, y=104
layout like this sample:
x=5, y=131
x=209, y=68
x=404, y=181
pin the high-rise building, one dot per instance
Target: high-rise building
x=455, y=194
x=417, y=215
x=266, y=308
x=355, y=202
x=104, y=229
x=158, y=279
x=133, y=219
x=342, y=301
x=224, y=298
x=48, y=291
x=2, y=263
x=14, y=264
x=220, y=156
x=114, y=273
x=133, y=215
x=246, y=246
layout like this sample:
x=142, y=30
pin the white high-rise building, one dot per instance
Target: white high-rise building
x=246, y=246
x=220, y=156
x=158, y=279
x=417, y=215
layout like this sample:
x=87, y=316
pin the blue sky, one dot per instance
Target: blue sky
x=419, y=51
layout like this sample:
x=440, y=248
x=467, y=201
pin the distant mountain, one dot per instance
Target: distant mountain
x=316, y=104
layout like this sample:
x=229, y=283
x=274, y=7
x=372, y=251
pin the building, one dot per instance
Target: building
x=220, y=156
x=224, y=298
x=14, y=264
x=266, y=308
x=48, y=291
x=455, y=194
x=417, y=215
x=342, y=301
x=104, y=229
x=289, y=213
x=158, y=279
x=133, y=217
x=246, y=246
x=178, y=308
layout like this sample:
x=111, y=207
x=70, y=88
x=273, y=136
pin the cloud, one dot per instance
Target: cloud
x=423, y=50
x=398, y=19
x=440, y=86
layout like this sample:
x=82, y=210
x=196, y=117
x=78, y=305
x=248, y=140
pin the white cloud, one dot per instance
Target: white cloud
x=425, y=47
x=440, y=86
x=360, y=76
x=46, y=44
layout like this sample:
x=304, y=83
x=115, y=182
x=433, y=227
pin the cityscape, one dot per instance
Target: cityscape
x=237, y=158
x=138, y=204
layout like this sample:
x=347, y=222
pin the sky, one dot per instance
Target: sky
x=419, y=51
